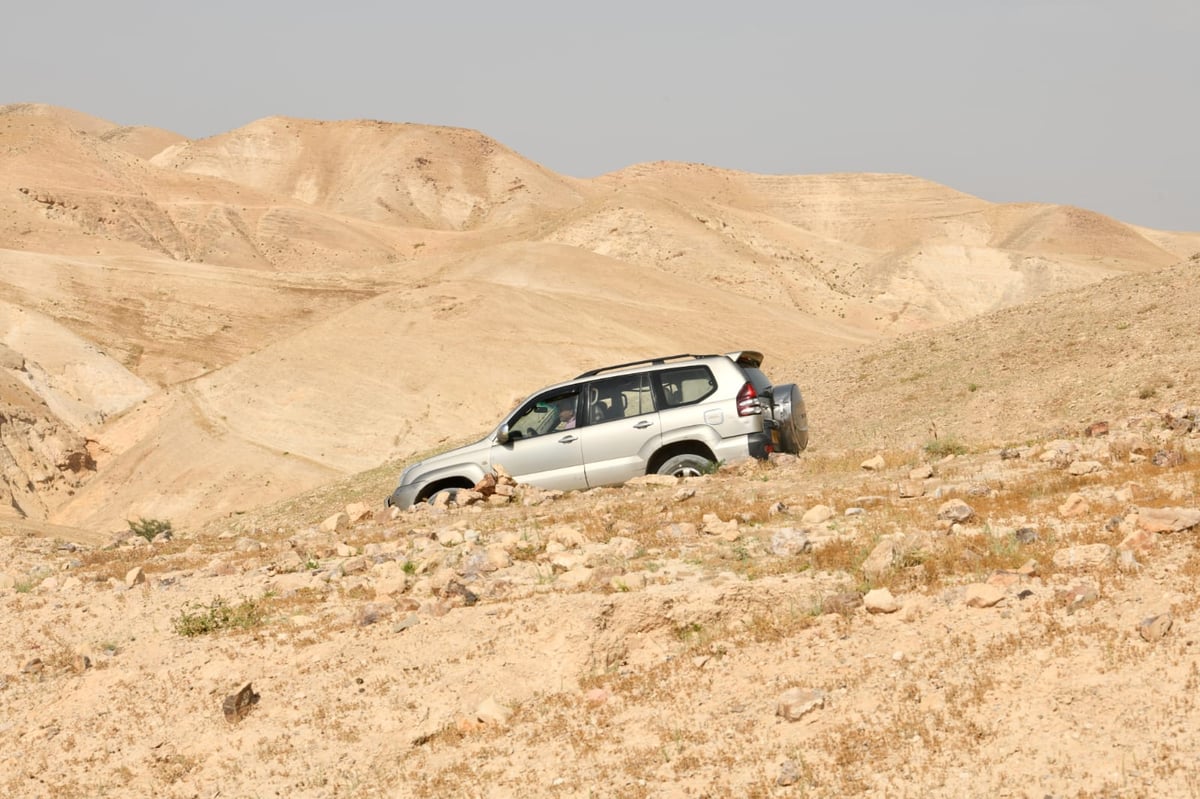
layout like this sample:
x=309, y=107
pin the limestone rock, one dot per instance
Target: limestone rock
x=844, y=603
x=955, y=510
x=796, y=703
x=1155, y=627
x=1084, y=556
x=817, y=514
x=874, y=464
x=1075, y=505
x=880, y=600
x=238, y=704
x=335, y=523
x=1168, y=520
x=982, y=595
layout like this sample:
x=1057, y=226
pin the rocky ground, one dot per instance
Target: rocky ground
x=1017, y=621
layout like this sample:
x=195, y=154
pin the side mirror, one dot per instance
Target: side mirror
x=502, y=435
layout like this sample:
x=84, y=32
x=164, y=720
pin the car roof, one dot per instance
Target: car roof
x=746, y=358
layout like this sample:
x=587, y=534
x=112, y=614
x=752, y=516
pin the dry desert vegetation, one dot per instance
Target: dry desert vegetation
x=217, y=355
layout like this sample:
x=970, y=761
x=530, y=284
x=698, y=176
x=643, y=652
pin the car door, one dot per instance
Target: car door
x=544, y=447
x=622, y=429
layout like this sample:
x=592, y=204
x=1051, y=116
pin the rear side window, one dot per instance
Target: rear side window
x=620, y=398
x=686, y=385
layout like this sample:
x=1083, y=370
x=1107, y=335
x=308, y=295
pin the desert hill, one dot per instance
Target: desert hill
x=978, y=581
x=232, y=320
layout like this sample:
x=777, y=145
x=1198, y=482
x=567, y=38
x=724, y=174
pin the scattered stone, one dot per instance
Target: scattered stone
x=881, y=559
x=909, y=489
x=1075, y=505
x=358, y=511
x=1059, y=452
x=844, y=603
x=818, y=514
x=1084, y=556
x=1180, y=418
x=1025, y=535
x=680, y=530
x=288, y=584
x=336, y=523
x=789, y=541
x=491, y=712
x=135, y=576
x=922, y=472
x=955, y=510
x=1139, y=542
x=630, y=581
x=577, y=578
x=684, y=494
x=1167, y=520
x=1167, y=458
x=983, y=595
x=789, y=774
x=449, y=537
x=456, y=589
x=372, y=612
x=796, y=703
x=237, y=705
x=1154, y=628
x=1078, y=595
x=653, y=480
x=1080, y=468
x=726, y=531
x=1127, y=560
x=880, y=600
x=874, y=464
x=411, y=620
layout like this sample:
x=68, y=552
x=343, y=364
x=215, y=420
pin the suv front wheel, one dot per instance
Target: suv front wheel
x=686, y=465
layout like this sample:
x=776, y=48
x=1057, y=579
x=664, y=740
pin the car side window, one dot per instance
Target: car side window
x=686, y=385
x=549, y=413
x=620, y=397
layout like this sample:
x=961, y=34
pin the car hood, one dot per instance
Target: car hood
x=452, y=457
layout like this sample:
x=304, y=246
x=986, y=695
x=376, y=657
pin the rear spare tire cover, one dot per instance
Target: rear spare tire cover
x=792, y=417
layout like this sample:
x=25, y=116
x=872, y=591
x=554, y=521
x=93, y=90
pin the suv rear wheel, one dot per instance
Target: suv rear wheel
x=686, y=465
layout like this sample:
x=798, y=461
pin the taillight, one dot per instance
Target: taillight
x=747, y=401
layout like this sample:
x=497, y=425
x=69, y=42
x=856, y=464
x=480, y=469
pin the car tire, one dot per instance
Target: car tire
x=787, y=406
x=452, y=494
x=686, y=465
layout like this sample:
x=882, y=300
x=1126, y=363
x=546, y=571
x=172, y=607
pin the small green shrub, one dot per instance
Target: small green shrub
x=149, y=528
x=195, y=619
x=947, y=445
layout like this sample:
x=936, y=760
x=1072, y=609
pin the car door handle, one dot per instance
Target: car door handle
x=567, y=439
x=642, y=425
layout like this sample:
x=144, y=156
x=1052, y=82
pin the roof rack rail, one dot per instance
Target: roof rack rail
x=647, y=362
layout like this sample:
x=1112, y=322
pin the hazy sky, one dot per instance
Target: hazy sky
x=1094, y=103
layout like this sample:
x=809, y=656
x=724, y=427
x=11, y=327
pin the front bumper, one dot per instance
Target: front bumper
x=403, y=497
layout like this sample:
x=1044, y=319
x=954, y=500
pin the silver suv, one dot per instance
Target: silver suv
x=679, y=415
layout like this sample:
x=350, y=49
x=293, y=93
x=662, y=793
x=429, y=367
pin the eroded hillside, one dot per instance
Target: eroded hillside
x=297, y=299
